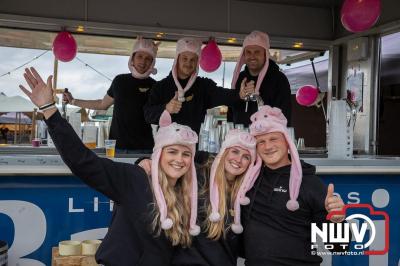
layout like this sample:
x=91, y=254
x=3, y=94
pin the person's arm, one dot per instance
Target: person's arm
x=220, y=96
x=100, y=104
x=155, y=105
x=283, y=97
x=104, y=175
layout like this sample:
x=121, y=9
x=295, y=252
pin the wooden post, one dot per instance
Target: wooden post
x=55, y=72
x=33, y=131
x=15, y=128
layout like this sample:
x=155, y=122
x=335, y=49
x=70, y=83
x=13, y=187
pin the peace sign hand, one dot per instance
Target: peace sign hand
x=41, y=93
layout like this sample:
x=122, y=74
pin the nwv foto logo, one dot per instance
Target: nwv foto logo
x=361, y=226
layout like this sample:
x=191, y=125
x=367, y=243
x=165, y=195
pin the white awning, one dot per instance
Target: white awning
x=15, y=104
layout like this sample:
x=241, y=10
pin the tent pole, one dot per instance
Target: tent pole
x=15, y=128
x=33, y=130
x=55, y=72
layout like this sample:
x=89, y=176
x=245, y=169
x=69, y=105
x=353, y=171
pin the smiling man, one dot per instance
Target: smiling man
x=128, y=93
x=261, y=76
x=185, y=95
x=286, y=198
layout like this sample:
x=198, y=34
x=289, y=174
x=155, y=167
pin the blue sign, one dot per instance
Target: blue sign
x=382, y=192
x=37, y=212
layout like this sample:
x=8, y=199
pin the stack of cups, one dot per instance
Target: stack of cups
x=340, y=137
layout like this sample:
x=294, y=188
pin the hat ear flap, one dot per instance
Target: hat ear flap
x=165, y=119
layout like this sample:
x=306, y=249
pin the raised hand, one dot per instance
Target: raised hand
x=334, y=203
x=174, y=106
x=41, y=93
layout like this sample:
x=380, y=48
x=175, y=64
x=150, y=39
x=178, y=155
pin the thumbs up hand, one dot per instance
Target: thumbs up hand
x=174, y=106
x=334, y=203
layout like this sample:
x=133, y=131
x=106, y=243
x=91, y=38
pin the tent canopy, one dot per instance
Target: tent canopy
x=15, y=104
x=11, y=118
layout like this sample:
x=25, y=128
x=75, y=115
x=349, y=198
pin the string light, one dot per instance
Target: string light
x=37, y=57
x=95, y=70
x=30, y=61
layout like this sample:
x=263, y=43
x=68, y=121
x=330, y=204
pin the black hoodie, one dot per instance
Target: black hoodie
x=129, y=240
x=274, y=90
x=202, y=95
x=272, y=233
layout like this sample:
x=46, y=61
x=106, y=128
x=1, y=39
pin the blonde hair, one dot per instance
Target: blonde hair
x=177, y=199
x=227, y=195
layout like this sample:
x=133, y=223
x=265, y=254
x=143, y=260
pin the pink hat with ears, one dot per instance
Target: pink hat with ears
x=270, y=119
x=254, y=38
x=234, y=138
x=186, y=45
x=170, y=134
x=148, y=46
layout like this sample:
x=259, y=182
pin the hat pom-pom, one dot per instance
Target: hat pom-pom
x=167, y=224
x=292, y=205
x=244, y=201
x=237, y=228
x=214, y=217
x=195, y=230
x=154, y=71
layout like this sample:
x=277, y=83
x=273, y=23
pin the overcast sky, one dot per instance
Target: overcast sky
x=83, y=82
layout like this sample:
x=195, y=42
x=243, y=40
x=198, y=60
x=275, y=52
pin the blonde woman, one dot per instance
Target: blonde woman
x=231, y=174
x=153, y=214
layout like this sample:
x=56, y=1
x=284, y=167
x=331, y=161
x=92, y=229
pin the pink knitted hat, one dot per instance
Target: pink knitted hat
x=185, y=45
x=148, y=46
x=171, y=134
x=268, y=120
x=234, y=138
x=254, y=38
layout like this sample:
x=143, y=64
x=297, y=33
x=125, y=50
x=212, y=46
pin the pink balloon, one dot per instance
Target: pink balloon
x=64, y=46
x=307, y=95
x=211, y=57
x=360, y=15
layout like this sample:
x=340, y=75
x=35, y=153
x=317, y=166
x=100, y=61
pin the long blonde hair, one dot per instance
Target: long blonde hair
x=227, y=195
x=177, y=199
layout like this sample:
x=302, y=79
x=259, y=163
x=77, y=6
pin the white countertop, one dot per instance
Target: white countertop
x=53, y=165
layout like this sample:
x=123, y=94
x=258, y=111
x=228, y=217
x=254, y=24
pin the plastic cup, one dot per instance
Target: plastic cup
x=89, y=247
x=35, y=142
x=69, y=248
x=109, y=144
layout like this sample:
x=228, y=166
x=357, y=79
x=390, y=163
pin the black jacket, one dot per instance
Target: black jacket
x=128, y=125
x=205, y=251
x=129, y=240
x=272, y=232
x=203, y=94
x=274, y=90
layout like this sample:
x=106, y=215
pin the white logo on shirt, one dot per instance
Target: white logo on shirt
x=280, y=189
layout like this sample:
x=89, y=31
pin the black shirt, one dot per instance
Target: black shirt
x=274, y=90
x=128, y=125
x=129, y=240
x=203, y=94
x=271, y=231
